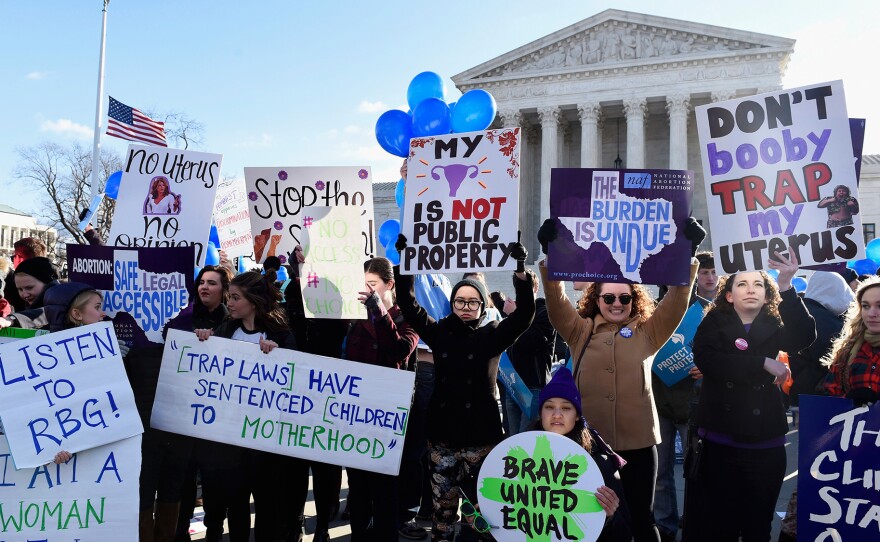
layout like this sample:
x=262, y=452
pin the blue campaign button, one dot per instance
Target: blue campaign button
x=626, y=332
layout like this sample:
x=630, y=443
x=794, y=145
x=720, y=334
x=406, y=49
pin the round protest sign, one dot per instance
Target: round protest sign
x=539, y=486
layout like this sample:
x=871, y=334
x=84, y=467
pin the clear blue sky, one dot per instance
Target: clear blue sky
x=302, y=83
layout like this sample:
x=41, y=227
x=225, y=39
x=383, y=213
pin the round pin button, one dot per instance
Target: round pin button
x=742, y=344
x=626, y=332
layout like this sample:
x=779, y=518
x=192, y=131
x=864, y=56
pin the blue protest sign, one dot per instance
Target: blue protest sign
x=839, y=480
x=676, y=358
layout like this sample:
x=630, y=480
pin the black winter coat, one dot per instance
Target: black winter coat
x=532, y=353
x=738, y=396
x=806, y=366
x=463, y=411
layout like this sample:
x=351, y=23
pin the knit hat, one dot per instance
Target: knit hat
x=40, y=268
x=476, y=285
x=58, y=300
x=562, y=386
x=831, y=291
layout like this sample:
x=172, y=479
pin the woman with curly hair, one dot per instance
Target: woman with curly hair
x=613, y=336
x=735, y=469
x=852, y=363
x=255, y=316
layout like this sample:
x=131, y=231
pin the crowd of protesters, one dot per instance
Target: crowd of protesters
x=729, y=413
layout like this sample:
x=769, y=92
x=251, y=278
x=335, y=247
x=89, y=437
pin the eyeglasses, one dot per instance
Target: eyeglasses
x=472, y=305
x=609, y=298
x=469, y=510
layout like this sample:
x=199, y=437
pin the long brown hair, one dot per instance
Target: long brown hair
x=771, y=292
x=225, y=280
x=854, y=328
x=261, y=291
x=642, y=305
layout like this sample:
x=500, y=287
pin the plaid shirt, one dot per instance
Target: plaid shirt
x=384, y=338
x=862, y=373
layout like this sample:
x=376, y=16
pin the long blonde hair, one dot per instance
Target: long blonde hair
x=853, y=330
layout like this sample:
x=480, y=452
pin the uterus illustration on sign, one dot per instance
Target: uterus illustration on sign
x=455, y=175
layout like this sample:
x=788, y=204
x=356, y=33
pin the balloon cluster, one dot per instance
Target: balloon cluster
x=429, y=115
x=868, y=265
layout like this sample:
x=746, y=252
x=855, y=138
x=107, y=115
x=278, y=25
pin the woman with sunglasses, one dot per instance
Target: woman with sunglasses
x=464, y=422
x=613, y=336
x=735, y=470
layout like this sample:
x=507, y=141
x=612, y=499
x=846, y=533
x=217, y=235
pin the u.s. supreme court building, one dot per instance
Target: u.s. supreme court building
x=618, y=89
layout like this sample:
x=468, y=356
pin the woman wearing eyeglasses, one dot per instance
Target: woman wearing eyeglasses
x=464, y=422
x=613, y=335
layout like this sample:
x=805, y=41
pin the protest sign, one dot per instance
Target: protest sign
x=233, y=221
x=285, y=402
x=280, y=196
x=461, y=212
x=333, y=272
x=676, y=357
x=838, y=484
x=65, y=391
x=93, y=496
x=620, y=225
x=143, y=288
x=541, y=486
x=768, y=165
x=165, y=199
x=10, y=334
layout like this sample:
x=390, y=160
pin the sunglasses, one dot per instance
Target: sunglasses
x=479, y=523
x=609, y=298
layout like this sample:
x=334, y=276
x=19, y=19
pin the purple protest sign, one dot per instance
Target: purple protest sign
x=143, y=288
x=620, y=225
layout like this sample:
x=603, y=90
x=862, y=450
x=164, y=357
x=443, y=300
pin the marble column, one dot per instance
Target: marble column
x=635, y=109
x=678, y=108
x=530, y=190
x=561, y=135
x=550, y=117
x=514, y=118
x=590, y=149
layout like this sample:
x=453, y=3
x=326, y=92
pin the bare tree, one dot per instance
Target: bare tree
x=181, y=130
x=64, y=175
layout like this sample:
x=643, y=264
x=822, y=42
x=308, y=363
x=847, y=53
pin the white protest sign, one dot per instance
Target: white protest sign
x=461, y=211
x=279, y=197
x=165, y=199
x=12, y=334
x=285, y=402
x=233, y=221
x=94, y=496
x=333, y=272
x=541, y=486
x=65, y=391
x=779, y=172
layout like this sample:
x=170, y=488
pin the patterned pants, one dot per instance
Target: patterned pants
x=452, y=468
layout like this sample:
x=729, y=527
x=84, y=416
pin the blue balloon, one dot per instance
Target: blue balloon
x=111, y=187
x=212, y=256
x=431, y=117
x=399, y=192
x=799, y=283
x=474, y=111
x=388, y=232
x=393, y=132
x=432, y=293
x=241, y=267
x=392, y=254
x=774, y=274
x=214, y=236
x=872, y=249
x=196, y=272
x=281, y=274
x=866, y=266
x=423, y=86
x=451, y=106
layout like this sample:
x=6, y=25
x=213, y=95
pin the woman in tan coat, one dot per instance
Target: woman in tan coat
x=613, y=336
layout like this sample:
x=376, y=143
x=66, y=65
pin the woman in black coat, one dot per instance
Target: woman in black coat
x=734, y=485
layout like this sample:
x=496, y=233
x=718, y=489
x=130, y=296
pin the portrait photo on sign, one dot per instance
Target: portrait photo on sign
x=161, y=200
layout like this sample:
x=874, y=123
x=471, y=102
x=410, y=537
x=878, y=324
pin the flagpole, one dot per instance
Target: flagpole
x=99, y=109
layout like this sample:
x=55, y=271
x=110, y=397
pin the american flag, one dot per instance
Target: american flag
x=128, y=123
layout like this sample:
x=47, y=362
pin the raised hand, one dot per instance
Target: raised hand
x=787, y=267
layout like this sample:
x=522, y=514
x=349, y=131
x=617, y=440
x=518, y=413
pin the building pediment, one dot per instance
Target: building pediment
x=619, y=39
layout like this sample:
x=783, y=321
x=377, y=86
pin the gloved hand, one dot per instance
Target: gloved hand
x=123, y=350
x=547, y=233
x=862, y=396
x=694, y=233
x=400, y=245
x=519, y=253
x=83, y=213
